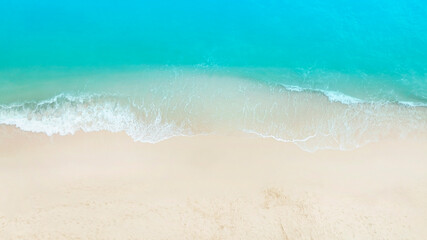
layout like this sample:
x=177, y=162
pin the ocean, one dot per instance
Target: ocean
x=321, y=74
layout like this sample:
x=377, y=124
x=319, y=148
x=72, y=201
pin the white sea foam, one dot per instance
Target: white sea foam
x=304, y=143
x=327, y=127
x=340, y=97
x=413, y=104
x=333, y=96
x=66, y=114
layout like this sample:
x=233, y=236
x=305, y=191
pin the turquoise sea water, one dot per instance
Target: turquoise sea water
x=322, y=74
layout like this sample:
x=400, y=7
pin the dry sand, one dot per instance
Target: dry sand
x=105, y=186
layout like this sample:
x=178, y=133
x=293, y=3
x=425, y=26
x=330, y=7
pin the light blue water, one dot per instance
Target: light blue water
x=358, y=53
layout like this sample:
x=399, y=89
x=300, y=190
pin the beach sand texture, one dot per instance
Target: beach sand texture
x=105, y=186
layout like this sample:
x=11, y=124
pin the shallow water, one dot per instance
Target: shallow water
x=322, y=74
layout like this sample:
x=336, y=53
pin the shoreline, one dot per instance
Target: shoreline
x=157, y=105
x=104, y=185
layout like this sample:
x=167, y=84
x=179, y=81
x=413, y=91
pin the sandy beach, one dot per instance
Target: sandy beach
x=106, y=186
x=213, y=120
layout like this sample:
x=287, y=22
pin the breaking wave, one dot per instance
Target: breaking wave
x=311, y=120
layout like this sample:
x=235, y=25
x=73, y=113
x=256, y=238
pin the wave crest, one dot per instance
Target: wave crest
x=65, y=114
x=311, y=121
